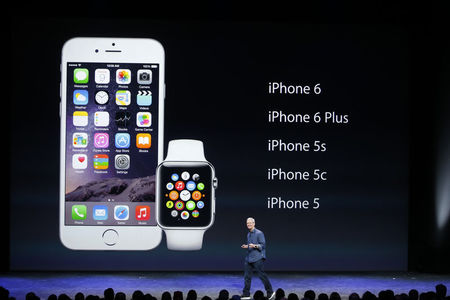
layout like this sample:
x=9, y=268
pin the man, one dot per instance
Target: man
x=254, y=260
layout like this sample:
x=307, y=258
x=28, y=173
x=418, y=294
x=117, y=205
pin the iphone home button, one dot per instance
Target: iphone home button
x=110, y=237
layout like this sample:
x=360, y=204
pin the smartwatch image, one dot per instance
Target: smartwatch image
x=185, y=195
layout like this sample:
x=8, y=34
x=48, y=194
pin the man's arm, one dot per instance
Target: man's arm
x=261, y=241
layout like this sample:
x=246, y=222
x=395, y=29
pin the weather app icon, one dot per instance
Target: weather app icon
x=80, y=97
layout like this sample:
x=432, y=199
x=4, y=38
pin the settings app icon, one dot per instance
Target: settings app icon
x=122, y=162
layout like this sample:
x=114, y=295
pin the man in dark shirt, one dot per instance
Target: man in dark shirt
x=254, y=260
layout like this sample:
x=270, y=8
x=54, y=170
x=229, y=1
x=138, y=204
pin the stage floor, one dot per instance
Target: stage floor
x=155, y=283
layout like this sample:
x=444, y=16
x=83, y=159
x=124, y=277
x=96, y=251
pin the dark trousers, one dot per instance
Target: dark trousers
x=258, y=268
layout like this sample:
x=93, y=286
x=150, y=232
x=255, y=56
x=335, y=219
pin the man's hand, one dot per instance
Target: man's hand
x=244, y=246
x=253, y=246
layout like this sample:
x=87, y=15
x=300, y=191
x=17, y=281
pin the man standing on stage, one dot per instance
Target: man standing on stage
x=254, y=260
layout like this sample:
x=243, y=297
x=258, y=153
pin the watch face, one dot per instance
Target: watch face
x=185, y=194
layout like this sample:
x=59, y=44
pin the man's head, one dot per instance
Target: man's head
x=250, y=223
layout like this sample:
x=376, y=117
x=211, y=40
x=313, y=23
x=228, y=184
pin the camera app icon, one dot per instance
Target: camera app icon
x=144, y=76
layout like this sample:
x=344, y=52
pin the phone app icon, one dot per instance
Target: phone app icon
x=101, y=118
x=144, y=119
x=101, y=161
x=79, y=161
x=80, y=118
x=80, y=140
x=122, y=162
x=142, y=212
x=100, y=212
x=122, y=119
x=123, y=76
x=121, y=212
x=80, y=97
x=80, y=75
x=122, y=140
x=143, y=140
x=79, y=212
x=200, y=186
x=102, y=76
x=101, y=140
x=123, y=97
x=101, y=97
x=144, y=98
x=144, y=76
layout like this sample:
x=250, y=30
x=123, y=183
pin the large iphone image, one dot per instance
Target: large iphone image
x=110, y=122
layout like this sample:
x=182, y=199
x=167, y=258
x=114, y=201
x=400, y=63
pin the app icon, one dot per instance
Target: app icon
x=101, y=118
x=102, y=76
x=196, y=177
x=122, y=162
x=169, y=204
x=144, y=119
x=122, y=118
x=185, y=175
x=190, y=205
x=79, y=161
x=190, y=185
x=80, y=97
x=144, y=76
x=79, y=212
x=80, y=140
x=200, y=186
x=185, y=195
x=101, y=161
x=169, y=186
x=196, y=195
x=100, y=212
x=173, y=195
x=123, y=76
x=144, y=98
x=101, y=140
x=80, y=75
x=174, y=213
x=123, y=97
x=179, y=205
x=200, y=204
x=121, y=212
x=179, y=185
x=174, y=177
x=101, y=97
x=122, y=140
x=195, y=214
x=80, y=118
x=185, y=215
x=142, y=212
x=143, y=140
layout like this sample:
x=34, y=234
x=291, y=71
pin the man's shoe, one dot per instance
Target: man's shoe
x=271, y=296
x=245, y=297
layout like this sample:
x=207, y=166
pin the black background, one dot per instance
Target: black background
x=427, y=70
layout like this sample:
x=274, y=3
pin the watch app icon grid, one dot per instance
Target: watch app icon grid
x=109, y=130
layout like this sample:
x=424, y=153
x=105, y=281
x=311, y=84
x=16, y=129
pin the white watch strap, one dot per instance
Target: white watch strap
x=185, y=150
x=184, y=239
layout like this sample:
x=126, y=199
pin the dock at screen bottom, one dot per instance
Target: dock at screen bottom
x=110, y=214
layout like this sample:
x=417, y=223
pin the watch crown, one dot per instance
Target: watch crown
x=215, y=182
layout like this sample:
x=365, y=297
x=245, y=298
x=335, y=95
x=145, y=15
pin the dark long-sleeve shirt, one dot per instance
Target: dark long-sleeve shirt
x=254, y=254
